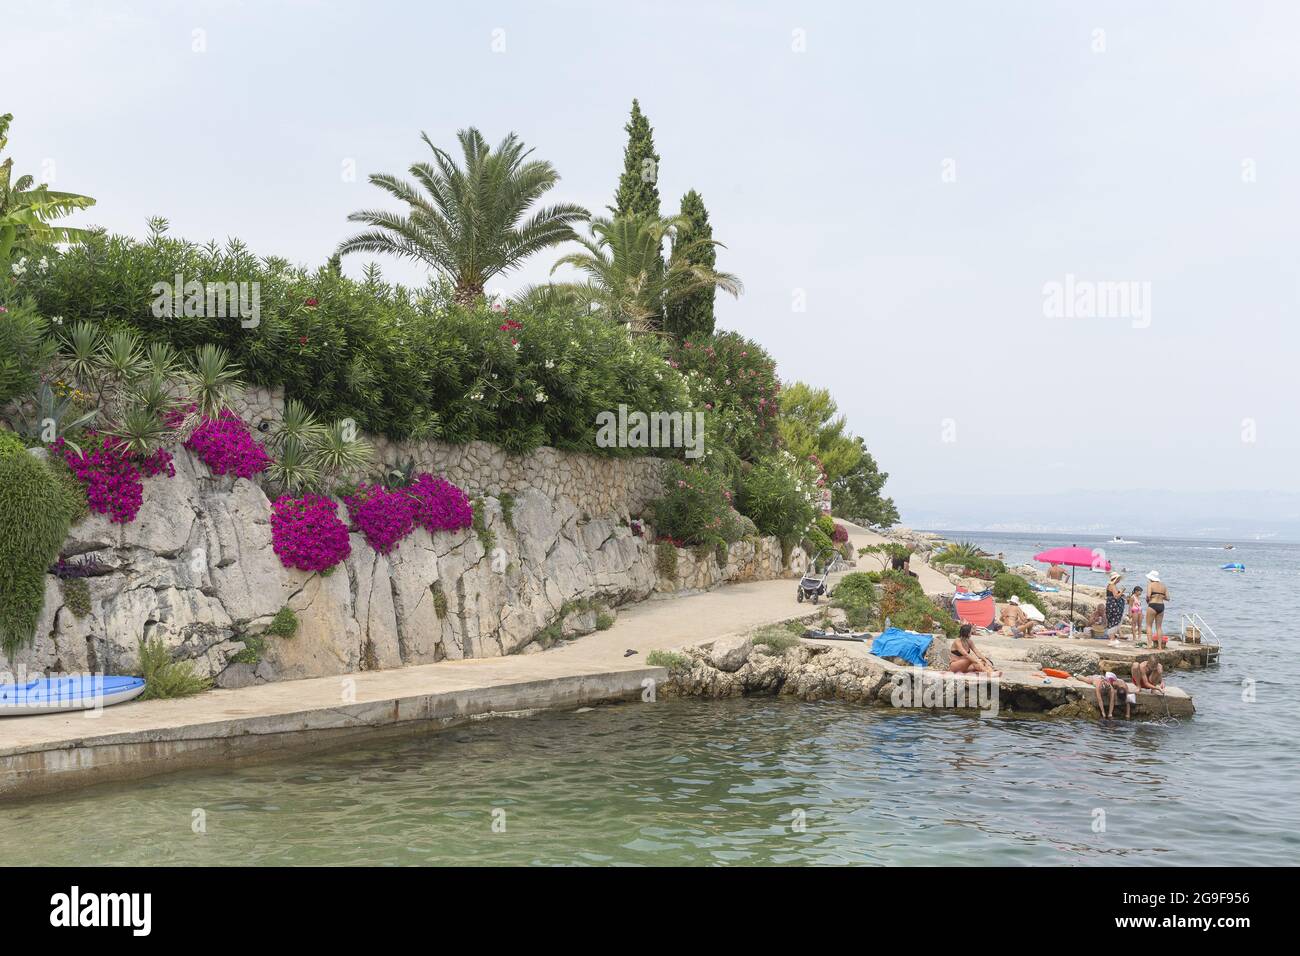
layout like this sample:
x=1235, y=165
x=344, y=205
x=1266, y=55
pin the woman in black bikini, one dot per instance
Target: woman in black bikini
x=1157, y=597
x=966, y=659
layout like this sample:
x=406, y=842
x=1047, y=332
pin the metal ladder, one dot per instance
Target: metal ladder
x=1194, y=619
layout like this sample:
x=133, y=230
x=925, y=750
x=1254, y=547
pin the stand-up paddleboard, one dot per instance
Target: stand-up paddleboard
x=1234, y=567
x=81, y=692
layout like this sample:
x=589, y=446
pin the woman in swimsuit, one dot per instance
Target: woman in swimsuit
x=1116, y=604
x=1114, y=684
x=1148, y=675
x=1157, y=597
x=966, y=659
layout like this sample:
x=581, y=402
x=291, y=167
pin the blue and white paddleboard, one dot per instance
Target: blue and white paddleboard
x=81, y=692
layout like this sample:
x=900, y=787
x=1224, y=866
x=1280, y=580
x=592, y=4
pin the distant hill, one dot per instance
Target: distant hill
x=1229, y=515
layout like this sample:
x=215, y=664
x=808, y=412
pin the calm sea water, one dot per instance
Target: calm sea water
x=765, y=781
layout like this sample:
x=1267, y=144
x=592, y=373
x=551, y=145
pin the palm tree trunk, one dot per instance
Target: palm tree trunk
x=467, y=292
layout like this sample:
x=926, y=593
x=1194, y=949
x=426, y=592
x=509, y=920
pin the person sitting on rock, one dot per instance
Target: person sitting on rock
x=1148, y=675
x=1015, y=620
x=966, y=659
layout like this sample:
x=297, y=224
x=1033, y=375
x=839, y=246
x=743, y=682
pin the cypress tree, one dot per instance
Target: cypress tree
x=693, y=316
x=638, y=187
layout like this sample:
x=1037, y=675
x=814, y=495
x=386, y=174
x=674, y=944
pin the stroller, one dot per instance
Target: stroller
x=812, y=586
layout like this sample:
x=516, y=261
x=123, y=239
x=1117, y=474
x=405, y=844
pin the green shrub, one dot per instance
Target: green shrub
x=35, y=511
x=669, y=659
x=165, y=678
x=73, y=490
x=399, y=362
x=815, y=542
x=604, y=620
x=486, y=536
x=1007, y=585
x=695, y=507
x=855, y=595
x=666, y=559
x=826, y=525
x=776, y=638
x=252, y=651
x=721, y=554
x=76, y=595
x=775, y=496
x=904, y=604
x=25, y=351
x=284, y=624
x=508, y=510
x=439, y=599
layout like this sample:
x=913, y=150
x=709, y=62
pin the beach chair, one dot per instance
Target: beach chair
x=976, y=613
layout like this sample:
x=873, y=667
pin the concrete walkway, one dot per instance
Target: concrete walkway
x=54, y=751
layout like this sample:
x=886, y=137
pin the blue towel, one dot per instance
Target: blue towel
x=972, y=595
x=1040, y=587
x=908, y=645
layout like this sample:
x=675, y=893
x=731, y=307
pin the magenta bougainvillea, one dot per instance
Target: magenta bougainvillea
x=841, y=534
x=440, y=505
x=385, y=517
x=227, y=447
x=307, y=533
x=113, y=485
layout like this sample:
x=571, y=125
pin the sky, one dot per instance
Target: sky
x=899, y=186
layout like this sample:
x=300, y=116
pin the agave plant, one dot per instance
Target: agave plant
x=298, y=425
x=342, y=449
x=154, y=393
x=161, y=359
x=212, y=379
x=81, y=353
x=141, y=430
x=53, y=418
x=120, y=358
x=294, y=468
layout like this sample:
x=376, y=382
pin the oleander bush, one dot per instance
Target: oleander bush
x=399, y=362
x=776, y=493
x=1007, y=585
x=35, y=512
x=733, y=380
x=25, y=348
x=695, y=508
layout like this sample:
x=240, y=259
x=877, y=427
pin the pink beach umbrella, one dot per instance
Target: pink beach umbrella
x=1075, y=557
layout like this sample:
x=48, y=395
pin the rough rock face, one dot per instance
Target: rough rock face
x=808, y=672
x=751, y=559
x=196, y=569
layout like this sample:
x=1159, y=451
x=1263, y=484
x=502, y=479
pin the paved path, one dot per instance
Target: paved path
x=587, y=669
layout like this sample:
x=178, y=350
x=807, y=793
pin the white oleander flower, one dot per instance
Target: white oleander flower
x=550, y=363
x=540, y=396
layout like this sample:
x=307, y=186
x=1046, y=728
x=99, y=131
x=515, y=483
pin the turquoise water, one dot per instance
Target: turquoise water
x=764, y=781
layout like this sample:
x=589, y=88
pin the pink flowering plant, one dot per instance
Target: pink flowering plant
x=733, y=381
x=307, y=533
x=440, y=505
x=112, y=476
x=695, y=507
x=384, y=516
x=226, y=446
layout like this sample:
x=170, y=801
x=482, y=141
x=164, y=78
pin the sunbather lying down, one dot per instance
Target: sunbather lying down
x=1114, y=685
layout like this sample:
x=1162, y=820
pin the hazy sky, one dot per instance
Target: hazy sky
x=916, y=173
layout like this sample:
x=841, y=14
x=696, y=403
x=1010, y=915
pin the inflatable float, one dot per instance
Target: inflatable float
x=83, y=692
x=1236, y=566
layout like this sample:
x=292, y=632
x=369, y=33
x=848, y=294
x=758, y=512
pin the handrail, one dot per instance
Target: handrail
x=1195, y=619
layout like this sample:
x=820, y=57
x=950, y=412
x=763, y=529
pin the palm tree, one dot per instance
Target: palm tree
x=626, y=278
x=468, y=220
x=26, y=209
